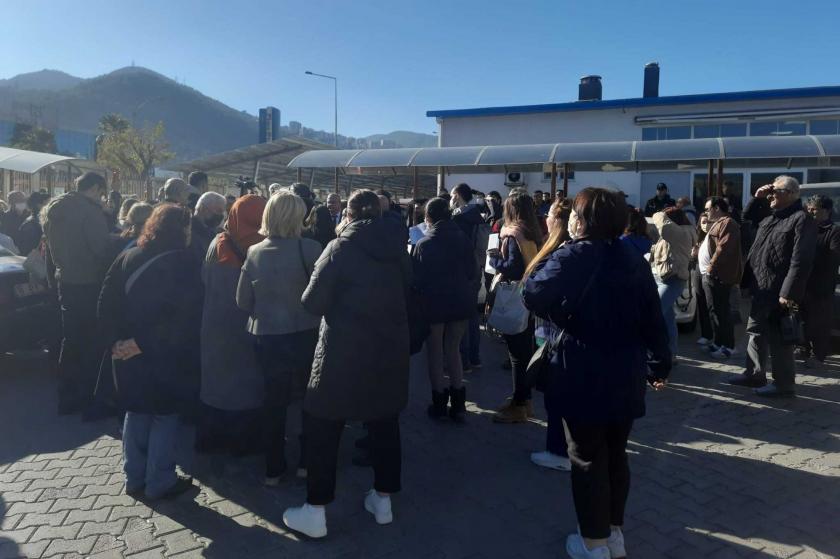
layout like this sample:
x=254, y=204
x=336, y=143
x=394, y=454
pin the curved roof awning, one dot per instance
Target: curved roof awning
x=812, y=151
x=31, y=162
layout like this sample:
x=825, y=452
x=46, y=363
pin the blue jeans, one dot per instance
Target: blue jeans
x=149, y=452
x=669, y=291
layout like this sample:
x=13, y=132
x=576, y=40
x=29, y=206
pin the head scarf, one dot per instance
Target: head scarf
x=241, y=231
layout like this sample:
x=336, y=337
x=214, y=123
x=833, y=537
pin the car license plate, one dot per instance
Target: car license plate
x=23, y=290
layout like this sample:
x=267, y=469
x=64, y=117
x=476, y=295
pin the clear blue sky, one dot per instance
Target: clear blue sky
x=396, y=59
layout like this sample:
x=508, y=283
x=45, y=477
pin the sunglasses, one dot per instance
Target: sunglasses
x=777, y=191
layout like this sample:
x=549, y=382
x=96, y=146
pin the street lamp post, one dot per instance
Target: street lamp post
x=335, y=100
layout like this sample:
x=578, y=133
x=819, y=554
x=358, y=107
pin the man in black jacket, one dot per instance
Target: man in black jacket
x=467, y=215
x=819, y=296
x=659, y=202
x=781, y=258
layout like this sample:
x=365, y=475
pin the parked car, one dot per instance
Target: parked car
x=28, y=309
x=832, y=190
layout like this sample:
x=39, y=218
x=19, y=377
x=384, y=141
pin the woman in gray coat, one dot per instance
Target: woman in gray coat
x=231, y=380
x=360, y=286
x=275, y=273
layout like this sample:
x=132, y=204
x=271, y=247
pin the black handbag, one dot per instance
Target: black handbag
x=539, y=366
x=791, y=327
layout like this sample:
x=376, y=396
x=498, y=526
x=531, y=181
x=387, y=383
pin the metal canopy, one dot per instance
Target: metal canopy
x=30, y=162
x=605, y=156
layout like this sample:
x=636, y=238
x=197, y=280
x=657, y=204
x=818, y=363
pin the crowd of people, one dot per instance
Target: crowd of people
x=222, y=312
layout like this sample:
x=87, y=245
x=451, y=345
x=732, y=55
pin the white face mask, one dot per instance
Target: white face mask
x=452, y=204
x=574, y=225
x=20, y=207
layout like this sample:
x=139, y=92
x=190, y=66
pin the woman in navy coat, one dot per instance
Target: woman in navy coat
x=604, y=296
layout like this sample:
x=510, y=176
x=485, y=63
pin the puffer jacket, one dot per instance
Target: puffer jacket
x=783, y=254
x=78, y=239
x=671, y=254
x=360, y=286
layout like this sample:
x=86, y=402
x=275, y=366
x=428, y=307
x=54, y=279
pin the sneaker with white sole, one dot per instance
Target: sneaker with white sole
x=577, y=549
x=379, y=507
x=615, y=543
x=271, y=481
x=703, y=341
x=725, y=353
x=551, y=461
x=308, y=520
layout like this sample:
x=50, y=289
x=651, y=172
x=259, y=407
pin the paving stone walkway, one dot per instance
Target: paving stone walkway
x=716, y=473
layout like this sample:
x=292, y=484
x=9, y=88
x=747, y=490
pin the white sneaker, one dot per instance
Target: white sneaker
x=301, y=473
x=550, y=460
x=615, y=543
x=308, y=520
x=724, y=353
x=577, y=550
x=703, y=341
x=379, y=507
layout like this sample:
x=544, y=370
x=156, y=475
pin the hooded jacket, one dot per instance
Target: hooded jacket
x=360, y=286
x=671, y=254
x=78, y=239
x=471, y=222
x=826, y=261
x=782, y=255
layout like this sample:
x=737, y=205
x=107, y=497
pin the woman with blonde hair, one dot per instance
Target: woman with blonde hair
x=556, y=454
x=273, y=278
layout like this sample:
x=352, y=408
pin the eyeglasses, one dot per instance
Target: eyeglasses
x=777, y=191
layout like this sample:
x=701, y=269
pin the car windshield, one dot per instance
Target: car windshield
x=5, y=252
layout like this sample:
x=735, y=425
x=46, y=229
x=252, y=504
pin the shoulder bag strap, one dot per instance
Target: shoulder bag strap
x=132, y=279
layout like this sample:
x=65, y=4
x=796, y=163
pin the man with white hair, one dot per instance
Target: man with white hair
x=334, y=205
x=206, y=222
x=780, y=258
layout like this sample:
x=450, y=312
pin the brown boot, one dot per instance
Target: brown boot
x=509, y=400
x=512, y=413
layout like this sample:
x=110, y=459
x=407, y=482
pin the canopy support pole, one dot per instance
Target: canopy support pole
x=299, y=174
x=256, y=170
x=440, y=181
x=711, y=177
x=720, y=177
x=349, y=186
x=336, y=176
x=566, y=168
x=553, y=181
x=416, y=186
x=311, y=178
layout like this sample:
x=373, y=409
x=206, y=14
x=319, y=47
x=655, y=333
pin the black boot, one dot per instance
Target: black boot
x=458, y=405
x=439, y=401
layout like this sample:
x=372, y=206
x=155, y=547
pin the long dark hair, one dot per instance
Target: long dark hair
x=636, y=224
x=320, y=225
x=363, y=204
x=168, y=228
x=519, y=210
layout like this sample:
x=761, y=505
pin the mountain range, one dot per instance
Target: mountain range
x=196, y=125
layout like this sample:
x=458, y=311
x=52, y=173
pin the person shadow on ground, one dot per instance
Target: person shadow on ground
x=8, y=547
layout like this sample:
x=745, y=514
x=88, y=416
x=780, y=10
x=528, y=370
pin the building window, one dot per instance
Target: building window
x=666, y=133
x=720, y=130
x=735, y=187
x=777, y=128
x=547, y=176
x=824, y=127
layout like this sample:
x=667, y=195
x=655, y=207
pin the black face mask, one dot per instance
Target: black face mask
x=213, y=221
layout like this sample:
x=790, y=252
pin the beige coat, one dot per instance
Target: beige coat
x=671, y=254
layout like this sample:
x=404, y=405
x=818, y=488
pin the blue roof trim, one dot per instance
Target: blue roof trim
x=828, y=91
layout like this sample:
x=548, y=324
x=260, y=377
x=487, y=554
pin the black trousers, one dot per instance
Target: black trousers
x=817, y=314
x=718, y=297
x=521, y=349
x=600, y=474
x=702, y=306
x=286, y=361
x=81, y=347
x=323, y=437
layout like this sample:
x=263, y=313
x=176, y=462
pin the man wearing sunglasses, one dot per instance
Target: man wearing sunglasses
x=781, y=258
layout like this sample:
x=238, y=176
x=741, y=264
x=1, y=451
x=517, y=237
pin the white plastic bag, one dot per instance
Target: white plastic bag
x=509, y=315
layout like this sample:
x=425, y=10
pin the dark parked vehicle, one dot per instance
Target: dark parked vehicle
x=28, y=309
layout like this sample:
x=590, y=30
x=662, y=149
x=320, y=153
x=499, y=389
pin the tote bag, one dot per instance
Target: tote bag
x=509, y=315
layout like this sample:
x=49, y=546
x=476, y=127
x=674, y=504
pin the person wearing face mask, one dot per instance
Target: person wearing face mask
x=206, y=222
x=13, y=218
x=78, y=254
x=699, y=265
